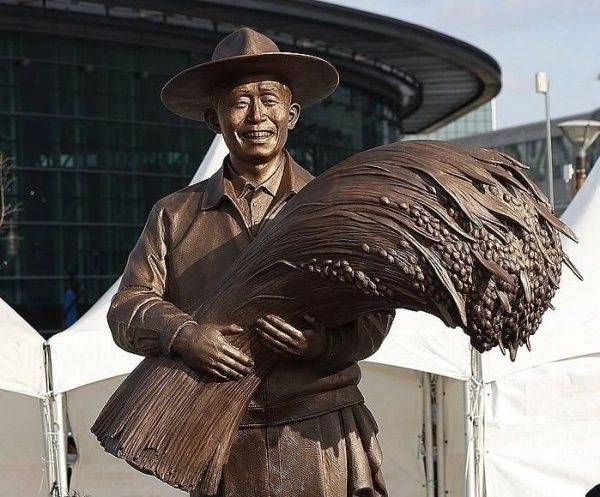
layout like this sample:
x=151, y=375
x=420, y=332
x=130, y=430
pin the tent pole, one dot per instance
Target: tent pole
x=428, y=435
x=440, y=436
x=49, y=456
x=56, y=442
x=473, y=427
x=61, y=443
x=470, y=449
x=46, y=411
x=478, y=422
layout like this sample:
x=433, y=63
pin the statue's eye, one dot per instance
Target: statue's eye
x=241, y=102
x=270, y=100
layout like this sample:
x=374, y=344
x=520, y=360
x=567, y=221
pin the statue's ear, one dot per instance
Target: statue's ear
x=294, y=115
x=212, y=121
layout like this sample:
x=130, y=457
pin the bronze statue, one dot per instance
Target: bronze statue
x=285, y=296
x=252, y=93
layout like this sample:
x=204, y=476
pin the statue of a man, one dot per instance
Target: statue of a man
x=306, y=431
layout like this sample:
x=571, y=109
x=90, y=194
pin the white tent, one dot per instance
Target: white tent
x=573, y=329
x=420, y=349
x=542, y=413
x=398, y=398
x=89, y=367
x=21, y=355
x=423, y=342
x=22, y=386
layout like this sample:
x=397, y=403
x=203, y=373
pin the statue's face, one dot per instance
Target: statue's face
x=254, y=118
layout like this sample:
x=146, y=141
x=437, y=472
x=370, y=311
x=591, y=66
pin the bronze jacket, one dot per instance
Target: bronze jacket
x=191, y=237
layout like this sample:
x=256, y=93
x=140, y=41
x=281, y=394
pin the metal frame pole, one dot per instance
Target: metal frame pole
x=49, y=453
x=474, y=485
x=470, y=459
x=428, y=434
x=440, y=436
x=478, y=422
x=61, y=443
x=54, y=421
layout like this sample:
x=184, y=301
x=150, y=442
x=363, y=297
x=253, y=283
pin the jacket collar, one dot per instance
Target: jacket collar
x=294, y=178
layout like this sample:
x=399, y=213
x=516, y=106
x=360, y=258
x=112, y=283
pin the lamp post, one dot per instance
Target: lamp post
x=582, y=134
x=541, y=86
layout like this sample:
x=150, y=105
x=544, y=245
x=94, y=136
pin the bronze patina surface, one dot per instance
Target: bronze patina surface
x=305, y=431
x=252, y=317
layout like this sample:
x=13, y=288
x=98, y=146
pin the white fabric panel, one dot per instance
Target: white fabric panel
x=542, y=431
x=21, y=355
x=212, y=161
x=454, y=429
x=97, y=473
x=85, y=353
x=395, y=397
x=22, y=466
x=420, y=341
x=573, y=328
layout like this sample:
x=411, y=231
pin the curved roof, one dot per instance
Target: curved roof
x=433, y=77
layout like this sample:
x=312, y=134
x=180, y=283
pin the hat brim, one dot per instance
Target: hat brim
x=311, y=79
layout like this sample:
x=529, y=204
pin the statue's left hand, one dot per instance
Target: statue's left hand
x=285, y=339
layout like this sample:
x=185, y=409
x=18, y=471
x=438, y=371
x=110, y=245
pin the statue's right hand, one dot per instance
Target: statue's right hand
x=205, y=348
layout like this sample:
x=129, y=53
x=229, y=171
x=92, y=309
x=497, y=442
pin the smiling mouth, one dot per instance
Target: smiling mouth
x=257, y=135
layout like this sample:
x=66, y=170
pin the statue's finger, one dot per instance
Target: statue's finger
x=214, y=372
x=279, y=328
x=282, y=324
x=232, y=329
x=278, y=346
x=228, y=372
x=237, y=355
x=237, y=363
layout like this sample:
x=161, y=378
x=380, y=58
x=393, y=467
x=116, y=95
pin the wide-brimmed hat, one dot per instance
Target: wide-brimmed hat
x=245, y=52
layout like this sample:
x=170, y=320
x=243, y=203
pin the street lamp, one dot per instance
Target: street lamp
x=582, y=134
x=541, y=86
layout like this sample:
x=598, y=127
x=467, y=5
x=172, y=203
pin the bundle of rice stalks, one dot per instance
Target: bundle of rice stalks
x=461, y=234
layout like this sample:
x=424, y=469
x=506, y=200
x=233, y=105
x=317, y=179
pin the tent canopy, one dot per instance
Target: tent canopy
x=422, y=342
x=21, y=355
x=572, y=330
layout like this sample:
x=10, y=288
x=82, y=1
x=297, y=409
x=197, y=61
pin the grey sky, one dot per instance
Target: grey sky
x=559, y=37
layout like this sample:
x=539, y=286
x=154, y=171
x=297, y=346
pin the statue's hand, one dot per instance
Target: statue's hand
x=205, y=348
x=285, y=339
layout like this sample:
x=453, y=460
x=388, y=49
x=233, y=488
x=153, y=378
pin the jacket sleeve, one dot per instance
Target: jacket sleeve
x=140, y=319
x=356, y=340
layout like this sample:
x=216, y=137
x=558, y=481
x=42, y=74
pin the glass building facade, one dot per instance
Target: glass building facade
x=528, y=144
x=95, y=148
x=480, y=120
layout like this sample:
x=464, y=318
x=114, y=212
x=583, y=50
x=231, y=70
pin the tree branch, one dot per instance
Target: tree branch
x=6, y=179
